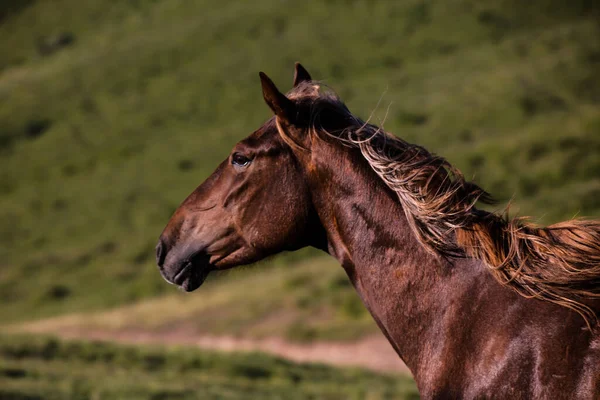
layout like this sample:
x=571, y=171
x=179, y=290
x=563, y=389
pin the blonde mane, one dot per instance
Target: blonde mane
x=559, y=263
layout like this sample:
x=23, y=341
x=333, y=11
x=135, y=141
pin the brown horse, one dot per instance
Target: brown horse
x=477, y=305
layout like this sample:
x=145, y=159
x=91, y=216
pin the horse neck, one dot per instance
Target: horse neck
x=407, y=289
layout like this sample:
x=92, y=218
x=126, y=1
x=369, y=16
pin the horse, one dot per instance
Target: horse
x=476, y=304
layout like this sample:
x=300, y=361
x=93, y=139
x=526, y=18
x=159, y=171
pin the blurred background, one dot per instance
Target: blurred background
x=111, y=112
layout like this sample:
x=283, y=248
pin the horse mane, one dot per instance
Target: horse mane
x=559, y=263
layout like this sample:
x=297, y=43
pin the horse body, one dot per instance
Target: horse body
x=460, y=329
x=461, y=333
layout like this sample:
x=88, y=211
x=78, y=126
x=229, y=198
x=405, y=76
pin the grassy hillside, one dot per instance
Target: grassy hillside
x=111, y=112
x=44, y=368
x=311, y=300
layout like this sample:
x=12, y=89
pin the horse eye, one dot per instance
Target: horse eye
x=240, y=160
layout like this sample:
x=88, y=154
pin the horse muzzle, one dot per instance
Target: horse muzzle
x=187, y=271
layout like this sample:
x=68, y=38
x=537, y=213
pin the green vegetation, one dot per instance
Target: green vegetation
x=111, y=112
x=254, y=303
x=45, y=368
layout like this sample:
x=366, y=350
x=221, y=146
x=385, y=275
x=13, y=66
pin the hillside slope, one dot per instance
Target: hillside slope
x=111, y=112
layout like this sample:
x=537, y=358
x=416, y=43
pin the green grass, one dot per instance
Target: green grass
x=46, y=368
x=307, y=301
x=112, y=112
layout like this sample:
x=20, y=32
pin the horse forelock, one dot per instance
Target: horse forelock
x=559, y=263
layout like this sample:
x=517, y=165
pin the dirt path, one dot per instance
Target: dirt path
x=372, y=352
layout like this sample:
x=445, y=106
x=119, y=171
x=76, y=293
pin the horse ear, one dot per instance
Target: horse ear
x=300, y=75
x=282, y=106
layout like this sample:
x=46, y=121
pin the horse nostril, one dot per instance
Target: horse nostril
x=160, y=253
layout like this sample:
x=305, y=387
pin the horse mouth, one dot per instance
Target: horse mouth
x=193, y=274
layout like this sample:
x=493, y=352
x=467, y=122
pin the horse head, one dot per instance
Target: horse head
x=255, y=204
